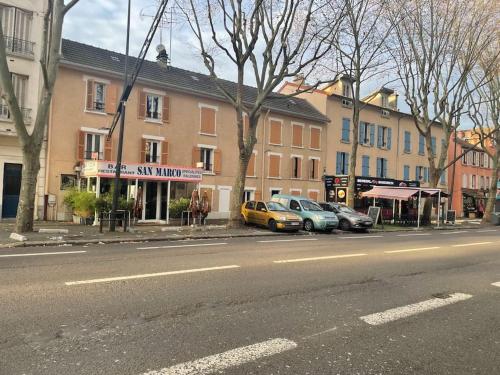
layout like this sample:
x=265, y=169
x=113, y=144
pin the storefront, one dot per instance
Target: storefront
x=154, y=185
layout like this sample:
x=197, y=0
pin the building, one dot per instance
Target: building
x=178, y=120
x=22, y=22
x=470, y=178
x=390, y=151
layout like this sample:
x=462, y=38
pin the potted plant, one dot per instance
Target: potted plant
x=81, y=203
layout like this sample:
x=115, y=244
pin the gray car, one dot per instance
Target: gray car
x=349, y=219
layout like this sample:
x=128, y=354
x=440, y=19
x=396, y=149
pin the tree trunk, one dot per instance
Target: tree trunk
x=490, y=204
x=26, y=208
x=238, y=190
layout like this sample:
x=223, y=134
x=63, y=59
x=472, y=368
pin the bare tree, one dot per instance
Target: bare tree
x=485, y=113
x=31, y=143
x=360, y=53
x=436, y=46
x=270, y=40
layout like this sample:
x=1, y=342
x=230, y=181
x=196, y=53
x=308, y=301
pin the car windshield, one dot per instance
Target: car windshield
x=346, y=209
x=274, y=206
x=310, y=206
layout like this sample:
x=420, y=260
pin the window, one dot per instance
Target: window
x=275, y=132
x=473, y=182
x=275, y=192
x=94, y=147
x=366, y=134
x=385, y=101
x=296, y=192
x=20, y=84
x=382, y=167
x=207, y=157
x=96, y=96
x=297, y=139
x=261, y=206
x=207, y=120
x=365, y=166
x=315, y=138
x=314, y=169
x=99, y=96
x=16, y=27
x=251, y=166
x=384, y=135
x=407, y=147
x=433, y=146
x=406, y=172
x=422, y=173
x=313, y=195
x=346, y=89
x=274, y=166
x=346, y=129
x=481, y=182
x=152, y=152
x=247, y=197
x=442, y=178
x=68, y=181
x=294, y=205
x=153, y=106
x=465, y=179
x=487, y=183
x=342, y=165
x=421, y=144
x=481, y=159
x=296, y=167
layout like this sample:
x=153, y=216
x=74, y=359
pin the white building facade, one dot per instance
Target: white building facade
x=22, y=25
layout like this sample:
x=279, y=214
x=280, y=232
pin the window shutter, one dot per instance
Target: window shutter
x=297, y=136
x=141, y=110
x=111, y=98
x=384, y=167
x=372, y=134
x=379, y=167
x=292, y=165
x=164, y=152
x=346, y=163
x=274, y=166
x=299, y=168
x=165, y=116
x=389, y=138
x=362, y=127
x=275, y=132
x=207, y=119
x=258, y=195
x=380, y=139
x=143, y=151
x=81, y=145
x=338, y=167
x=251, y=166
x=417, y=174
x=90, y=95
x=107, y=148
x=315, y=138
x=316, y=170
x=217, y=161
x=196, y=156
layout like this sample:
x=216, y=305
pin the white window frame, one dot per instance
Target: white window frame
x=274, y=188
x=154, y=93
x=216, y=109
x=101, y=145
x=297, y=190
x=346, y=86
x=302, y=125
x=96, y=80
x=251, y=191
x=158, y=151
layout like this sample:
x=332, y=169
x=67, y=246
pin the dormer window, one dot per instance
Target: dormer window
x=385, y=101
x=346, y=89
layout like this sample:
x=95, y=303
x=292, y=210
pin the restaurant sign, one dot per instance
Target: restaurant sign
x=96, y=168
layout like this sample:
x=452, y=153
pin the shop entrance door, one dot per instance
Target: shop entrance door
x=151, y=200
x=11, y=188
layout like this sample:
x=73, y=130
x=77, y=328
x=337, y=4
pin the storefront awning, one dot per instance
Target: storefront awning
x=390, y=193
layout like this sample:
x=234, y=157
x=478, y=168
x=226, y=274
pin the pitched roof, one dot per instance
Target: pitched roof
x=84, y=56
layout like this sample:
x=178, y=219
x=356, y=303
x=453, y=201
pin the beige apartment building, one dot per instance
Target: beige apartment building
x=390, y=147
x=22, y=22
x=180, y=134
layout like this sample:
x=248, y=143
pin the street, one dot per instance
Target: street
x=350, y=303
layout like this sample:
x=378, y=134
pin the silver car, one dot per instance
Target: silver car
x=349, y=219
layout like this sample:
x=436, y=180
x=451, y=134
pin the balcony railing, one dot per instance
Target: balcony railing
x=19, y=46
x=5, y=113
x=93, y=155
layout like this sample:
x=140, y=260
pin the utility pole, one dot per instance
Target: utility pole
x=118, y=167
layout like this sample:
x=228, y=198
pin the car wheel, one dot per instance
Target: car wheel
x=308, y=225
x=272, y=225
x=243, y=220
x=344, y=225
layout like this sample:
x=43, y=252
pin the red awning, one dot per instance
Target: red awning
x=390, y=193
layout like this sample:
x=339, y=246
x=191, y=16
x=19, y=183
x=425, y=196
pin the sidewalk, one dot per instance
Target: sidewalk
x=76, y=234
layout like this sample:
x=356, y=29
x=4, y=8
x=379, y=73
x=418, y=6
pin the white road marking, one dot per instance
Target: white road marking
x=298, y=239
x=318, y=258
x=472, y=244
x=147, y=275
x=413, y=309
x=356, y=237
x=413, y=234
x=36, y=254
x=486, y=230
x=454, y=232
x=409, y=250
x=231, y=358
x=178, y=246
x=496, y=284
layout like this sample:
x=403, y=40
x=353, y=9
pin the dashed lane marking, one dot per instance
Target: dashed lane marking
x=178, y=246
x=410, y=250
x=358, y=237
x=454, y=232
x=39, y=254
x=472, y=244
x=413, y=309
x=231, y=358
x=496, y=284
x=486, y=230
x=294, y=240
x=413, y=234
x=319, y=258
x=148, y=275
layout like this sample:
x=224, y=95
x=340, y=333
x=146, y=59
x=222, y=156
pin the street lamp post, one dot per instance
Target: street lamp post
x=118, y=167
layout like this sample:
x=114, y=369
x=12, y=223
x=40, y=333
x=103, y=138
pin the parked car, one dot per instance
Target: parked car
x=270, y=214
x=349, y=219
x=314, y=217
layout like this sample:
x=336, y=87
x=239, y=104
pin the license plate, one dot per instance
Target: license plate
x=295, y=223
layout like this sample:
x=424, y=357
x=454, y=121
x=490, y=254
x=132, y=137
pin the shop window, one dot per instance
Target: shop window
x=315, y=138
x=297, y=136
x=68, y=181
x=275, y=132
x=296, y=167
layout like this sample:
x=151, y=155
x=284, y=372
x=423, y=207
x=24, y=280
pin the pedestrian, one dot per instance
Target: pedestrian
x=204, y=207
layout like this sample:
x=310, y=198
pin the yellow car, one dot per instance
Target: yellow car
x=270, y=214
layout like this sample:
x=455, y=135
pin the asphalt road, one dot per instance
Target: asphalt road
x=389, y=303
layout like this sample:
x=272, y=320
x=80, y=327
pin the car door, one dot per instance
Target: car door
x=261, y=213
x=295, y=207
x=250, y=211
